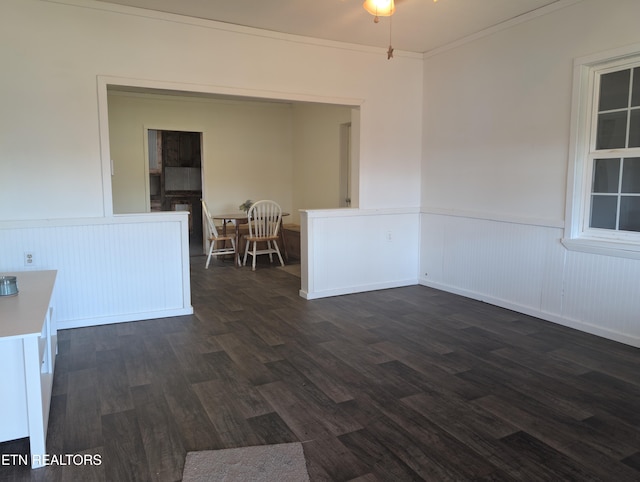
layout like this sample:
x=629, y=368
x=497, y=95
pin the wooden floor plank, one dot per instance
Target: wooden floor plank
x=123, y=447
x=83, y=427
x=271, y=429
x=159, y=433
x=554, y=463
x=586, y=448
x=380, y=460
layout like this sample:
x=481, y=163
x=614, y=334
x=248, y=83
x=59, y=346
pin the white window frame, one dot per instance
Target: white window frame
x=578, y=235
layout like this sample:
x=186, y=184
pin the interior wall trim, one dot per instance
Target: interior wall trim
x=502, y=26
x=498, y=217
x=227, y=27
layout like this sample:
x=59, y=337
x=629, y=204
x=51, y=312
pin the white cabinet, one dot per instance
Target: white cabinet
x=28, y=347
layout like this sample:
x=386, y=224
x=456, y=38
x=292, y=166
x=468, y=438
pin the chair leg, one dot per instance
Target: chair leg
x=275, y=245
x=269, y=248
x=253, y=267
x=211, y=246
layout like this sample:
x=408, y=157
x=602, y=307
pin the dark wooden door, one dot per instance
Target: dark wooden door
x=181, y=176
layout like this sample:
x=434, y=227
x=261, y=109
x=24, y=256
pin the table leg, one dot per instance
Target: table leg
x=236, y=259
x=284, y=242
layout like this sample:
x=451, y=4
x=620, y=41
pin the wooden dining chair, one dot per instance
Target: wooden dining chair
x=264, y=226
x=217, y=242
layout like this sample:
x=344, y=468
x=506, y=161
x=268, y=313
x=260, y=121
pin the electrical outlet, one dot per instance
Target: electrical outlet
x=389, y=236
x=29, y=260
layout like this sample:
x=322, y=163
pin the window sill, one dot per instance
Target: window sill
x=618, y=249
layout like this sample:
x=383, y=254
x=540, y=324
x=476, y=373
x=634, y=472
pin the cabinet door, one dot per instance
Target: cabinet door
x=181, y=149
x=13, y=392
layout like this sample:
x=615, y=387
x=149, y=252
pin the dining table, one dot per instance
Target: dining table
x=242, y=218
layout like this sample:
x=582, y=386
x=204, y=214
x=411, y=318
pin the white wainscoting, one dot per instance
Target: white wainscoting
x=352, y=250
x=110, y=270
x=524, y=267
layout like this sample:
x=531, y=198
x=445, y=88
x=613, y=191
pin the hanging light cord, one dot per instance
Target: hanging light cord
x=390, y=50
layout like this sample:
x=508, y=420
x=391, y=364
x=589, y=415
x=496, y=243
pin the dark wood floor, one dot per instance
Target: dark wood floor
x=402, y=384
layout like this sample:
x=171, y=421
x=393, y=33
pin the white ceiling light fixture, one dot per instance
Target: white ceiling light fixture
x=382, y=8
x=378, y=8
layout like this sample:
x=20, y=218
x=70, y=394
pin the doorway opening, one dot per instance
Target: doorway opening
x=175, y=178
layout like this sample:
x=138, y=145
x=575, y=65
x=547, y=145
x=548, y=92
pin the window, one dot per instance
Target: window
x=615, y=186
x=604, y=211
x=615, y=197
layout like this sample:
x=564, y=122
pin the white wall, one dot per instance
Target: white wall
x=59, y=56
x=289, y=152
x=494, y=125
x=246, y=147
x=53, y=54
x=316, y=154
x=494, y=172
x=353, y=250
x=115, y=269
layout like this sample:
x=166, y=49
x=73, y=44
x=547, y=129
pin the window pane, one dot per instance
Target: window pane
x=631, y=175
x=635, y=94
x=603, y=211
x=612, y=130
x=614, y=90
x=630, y=213
x=606, y=175
x=634, y=128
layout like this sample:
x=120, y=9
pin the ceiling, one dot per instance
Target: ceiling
x=417, y=26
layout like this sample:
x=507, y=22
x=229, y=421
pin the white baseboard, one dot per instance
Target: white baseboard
x=531, y=311
x=357, y=289
x=108, y=320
